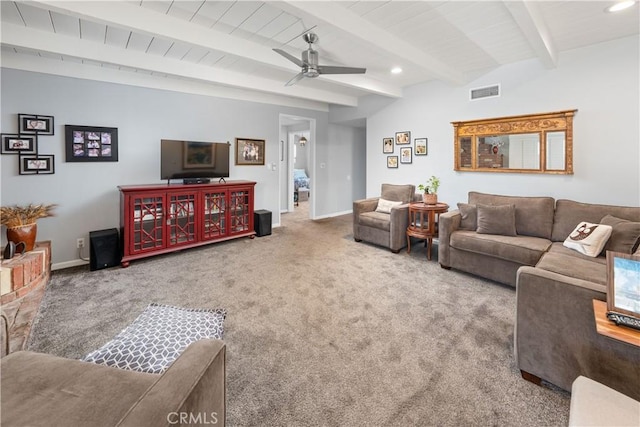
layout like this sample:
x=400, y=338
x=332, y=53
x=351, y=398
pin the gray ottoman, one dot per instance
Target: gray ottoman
x=595, y=404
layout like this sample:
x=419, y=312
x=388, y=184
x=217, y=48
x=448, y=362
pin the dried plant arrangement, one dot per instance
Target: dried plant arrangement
x=16, y=216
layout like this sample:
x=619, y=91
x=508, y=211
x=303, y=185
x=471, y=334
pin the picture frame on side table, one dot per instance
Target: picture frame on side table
x=387, y=145
x=34, y=123
x=623, y=285
x=249, y=152
x=403, y=138
x=91, y=144
x=18, y=144
x=406, y=155
x=392, y=162
x=36, y=165
x=420, y=146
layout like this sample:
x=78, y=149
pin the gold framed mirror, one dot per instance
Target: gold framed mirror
x=534, y=143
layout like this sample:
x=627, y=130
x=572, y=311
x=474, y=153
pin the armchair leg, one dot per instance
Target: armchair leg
x=357, y=240
x=395, y=251
x=530, y=377
x=445, y=267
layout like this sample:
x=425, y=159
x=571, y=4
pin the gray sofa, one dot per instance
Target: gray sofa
x=381, y=228
x=555, y=338
x=44, y=390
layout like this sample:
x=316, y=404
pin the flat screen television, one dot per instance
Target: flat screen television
x=192, y=160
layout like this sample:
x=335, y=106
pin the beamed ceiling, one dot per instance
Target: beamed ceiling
x=225, y=47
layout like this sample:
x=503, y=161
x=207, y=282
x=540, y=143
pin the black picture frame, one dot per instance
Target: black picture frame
x=18, y=144
x=43, y=164
x=387, y=145
x=420, y=147
x=392, y=162
x=91, y=144
x=403, y=138
x=406, y=155
x=35, y=124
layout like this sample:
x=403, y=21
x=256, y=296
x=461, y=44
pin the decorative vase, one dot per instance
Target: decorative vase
x=23, y=233
x=430, y=199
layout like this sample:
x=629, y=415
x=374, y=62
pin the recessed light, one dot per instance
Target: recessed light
x=620, y=6
x=396, y=70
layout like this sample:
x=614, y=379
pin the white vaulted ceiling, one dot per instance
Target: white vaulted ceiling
x=225, y=46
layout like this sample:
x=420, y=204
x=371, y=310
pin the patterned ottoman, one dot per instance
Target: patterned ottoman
x=157, y=337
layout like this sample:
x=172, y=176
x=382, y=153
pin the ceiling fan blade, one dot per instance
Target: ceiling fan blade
x=329, y=69
x=295, y=80
x=290, y=57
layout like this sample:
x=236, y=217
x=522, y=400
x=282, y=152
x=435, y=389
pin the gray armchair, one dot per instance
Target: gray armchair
x=380, y=228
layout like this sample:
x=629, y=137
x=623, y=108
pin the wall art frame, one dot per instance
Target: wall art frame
x=35, y=124
x=406, y=155
x=39, y=164
x=392, y=162
x=420, y=146
x=249, y=152
x=387, y=145
x=18, y=144
x=403, y=138
x=91, y=144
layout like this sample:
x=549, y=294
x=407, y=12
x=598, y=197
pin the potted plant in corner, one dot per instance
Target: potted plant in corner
x=21, y=222
x=430, y=190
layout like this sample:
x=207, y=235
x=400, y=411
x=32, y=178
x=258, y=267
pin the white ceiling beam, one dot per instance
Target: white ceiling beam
x=529, y=18
x=346, y=20
x=143, y=20
x=20, y=36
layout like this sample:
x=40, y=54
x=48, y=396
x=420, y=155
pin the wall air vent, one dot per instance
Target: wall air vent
x=484, y=92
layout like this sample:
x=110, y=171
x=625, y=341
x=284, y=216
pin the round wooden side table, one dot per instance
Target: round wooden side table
x=423, y=223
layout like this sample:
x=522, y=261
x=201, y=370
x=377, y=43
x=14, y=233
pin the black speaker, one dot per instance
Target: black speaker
x=104, y=249
x=262, y=222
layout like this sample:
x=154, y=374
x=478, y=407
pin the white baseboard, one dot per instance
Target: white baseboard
x=68, y=264
x=331, y=215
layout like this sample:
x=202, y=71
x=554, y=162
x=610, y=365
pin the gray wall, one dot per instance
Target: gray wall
x=601, y=81
x=87, y=193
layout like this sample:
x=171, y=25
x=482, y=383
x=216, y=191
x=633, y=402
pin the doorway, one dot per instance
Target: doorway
x=297, y=171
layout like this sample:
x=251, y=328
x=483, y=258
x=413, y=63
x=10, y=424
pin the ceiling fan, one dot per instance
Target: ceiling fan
x=309, y=63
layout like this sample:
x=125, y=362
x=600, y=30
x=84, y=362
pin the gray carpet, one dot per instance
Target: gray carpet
x=323, y=331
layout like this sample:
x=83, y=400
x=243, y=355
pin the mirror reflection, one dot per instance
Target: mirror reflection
x=535, y=143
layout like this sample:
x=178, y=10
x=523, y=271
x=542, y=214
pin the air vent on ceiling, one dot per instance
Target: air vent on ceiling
x=484, y=92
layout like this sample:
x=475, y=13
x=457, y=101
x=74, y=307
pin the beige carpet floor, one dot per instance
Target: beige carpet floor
x=323, y=331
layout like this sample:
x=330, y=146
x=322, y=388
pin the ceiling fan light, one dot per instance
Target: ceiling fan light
x=396, y=70
x=620, y=6
x=302, y=141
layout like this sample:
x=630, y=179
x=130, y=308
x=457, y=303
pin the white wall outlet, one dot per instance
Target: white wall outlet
x=80, y=243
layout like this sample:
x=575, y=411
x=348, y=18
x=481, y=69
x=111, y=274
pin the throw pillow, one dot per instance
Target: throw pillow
x=625, y=235
x=500, y=219
x=385, y=206
x=157, y=337
x=469, y=215
x=588, y=238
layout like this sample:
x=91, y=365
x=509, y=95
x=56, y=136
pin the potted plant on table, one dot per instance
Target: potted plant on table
x=21, y=222
x=430, y=190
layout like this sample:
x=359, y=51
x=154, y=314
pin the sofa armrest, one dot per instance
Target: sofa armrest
x=359, y=207
x=447, y=224
x=399, y=221
x=192, y=388
x=555, y=336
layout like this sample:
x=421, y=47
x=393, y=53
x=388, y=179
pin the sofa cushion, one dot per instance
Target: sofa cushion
x=468, y=216
x=558, y=247
x=588, y=238
x=377, y=220
x=569, y=213
x=534, y=215
x=625, y=235
x=385, y=206
x=398, y=193
x=524, y=250
x=158, y=336
x=500, y=219
x=583, y=268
